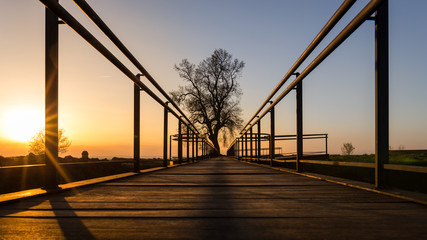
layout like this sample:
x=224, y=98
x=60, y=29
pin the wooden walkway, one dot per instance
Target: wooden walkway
x=214, y=199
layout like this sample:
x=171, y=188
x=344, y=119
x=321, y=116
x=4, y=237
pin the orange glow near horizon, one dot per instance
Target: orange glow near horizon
x=95, y=100
x=102, y=134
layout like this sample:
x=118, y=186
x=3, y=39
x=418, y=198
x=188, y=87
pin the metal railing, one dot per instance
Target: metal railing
x=380, y=8
x=320, y=36
x=56, y=15
x=252, y=150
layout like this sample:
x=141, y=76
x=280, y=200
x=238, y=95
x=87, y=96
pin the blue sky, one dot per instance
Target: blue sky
x=268, y=35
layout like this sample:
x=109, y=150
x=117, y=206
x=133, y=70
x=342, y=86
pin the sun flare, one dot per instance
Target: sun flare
x=20, y=124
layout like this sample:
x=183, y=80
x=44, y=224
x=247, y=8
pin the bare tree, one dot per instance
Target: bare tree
x=347, y=148
x=212, y=94
x=37, y=143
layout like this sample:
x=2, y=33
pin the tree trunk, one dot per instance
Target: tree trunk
x=214, y=140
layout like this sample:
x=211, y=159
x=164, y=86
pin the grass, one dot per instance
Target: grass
x=405, y=157
x=412, y=181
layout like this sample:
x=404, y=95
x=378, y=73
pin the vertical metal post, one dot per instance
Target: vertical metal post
x=242, y=142
x=272, y=133
x=298, y=164
x=240, y=148
x=206, y=148
x=256, y=148
x=179, y=141
x=381, y=94
x=51, y=100
x=259, y=140
x=188, y=144
x=203, y=148
x=251, y=146
x=243, y=149
x=136, y=127
x=170, y=148
x=242, y=138
x=326, y=143
x=246, y=146
x=192, y=148
x=197, y=147
x=165, y=137
x=236, y=148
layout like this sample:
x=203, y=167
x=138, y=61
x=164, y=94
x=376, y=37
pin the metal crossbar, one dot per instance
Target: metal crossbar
x=342, y=10
x=380, y=8
x=54, y=11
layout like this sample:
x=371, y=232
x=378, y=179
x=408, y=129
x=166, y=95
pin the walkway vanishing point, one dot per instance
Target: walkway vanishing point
x=219, y=198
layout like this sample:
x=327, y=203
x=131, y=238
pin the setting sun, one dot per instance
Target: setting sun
x=20, y=124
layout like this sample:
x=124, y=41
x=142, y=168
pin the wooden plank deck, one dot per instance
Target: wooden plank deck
x=216, y=199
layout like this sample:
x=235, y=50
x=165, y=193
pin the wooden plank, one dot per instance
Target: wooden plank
x=15, y=196
x=216, y=199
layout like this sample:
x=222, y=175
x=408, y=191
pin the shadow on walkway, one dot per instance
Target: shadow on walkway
x=219, y=197
x=70, y=223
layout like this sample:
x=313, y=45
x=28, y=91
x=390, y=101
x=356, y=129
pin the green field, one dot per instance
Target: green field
x=406, y=157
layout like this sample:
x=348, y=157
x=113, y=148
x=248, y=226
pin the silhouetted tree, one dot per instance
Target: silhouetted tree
x=347, y=148
x=37, y=144
x=212, y=94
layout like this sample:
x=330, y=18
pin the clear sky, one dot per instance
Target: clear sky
x=96, y=101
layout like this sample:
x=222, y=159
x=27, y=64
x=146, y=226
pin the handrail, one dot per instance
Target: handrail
x=86, y=8
x=54, y=12
x=342, y=10
x=364, y=14
x=305, y=136
x=67, y=18
x=381, y=90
